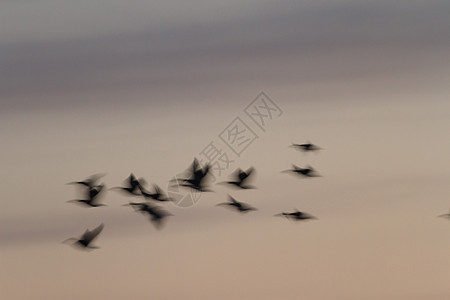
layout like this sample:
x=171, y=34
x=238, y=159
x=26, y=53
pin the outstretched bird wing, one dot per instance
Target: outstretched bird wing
x=195, y=166
x=94, y=178
x=90, y=181
x=294, y=167
x=237, y=173
x=244, y=207
x=88, y=236
x=245, y=175
x=131, y=180
x=232, y=200
x=158, y=190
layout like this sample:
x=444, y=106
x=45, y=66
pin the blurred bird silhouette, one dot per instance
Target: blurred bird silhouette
x=296, y=215
x=89, y=182
x=156, y=213
x=158, y=195
x=196, y=177
x=241, y=178
x=86, y=239
x=239, y=206
x=92, y=195
x=131, y=186
x=445, y=216
x=308, y=147
x=306, y=172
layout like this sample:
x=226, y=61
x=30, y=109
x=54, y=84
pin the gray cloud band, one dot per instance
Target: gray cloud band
x=283, y=38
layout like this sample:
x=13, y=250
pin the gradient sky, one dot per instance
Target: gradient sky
x=143, y=86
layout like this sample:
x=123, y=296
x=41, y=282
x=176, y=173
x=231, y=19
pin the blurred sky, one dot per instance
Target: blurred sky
x=143, y=86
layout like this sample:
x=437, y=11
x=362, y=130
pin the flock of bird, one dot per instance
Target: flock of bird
x=196, y=179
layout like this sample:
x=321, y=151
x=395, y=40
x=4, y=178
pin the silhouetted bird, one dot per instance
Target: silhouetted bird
x=241, y=178
x=92, y=195
x=445, y=216
x=306, y=172
x=306, y=147
x=239, y=206
x=89, y=182
x=158, y=195
x=156, y=213
x=296, y=215
x=88, y=236
x=196, y=178
x=131, y=186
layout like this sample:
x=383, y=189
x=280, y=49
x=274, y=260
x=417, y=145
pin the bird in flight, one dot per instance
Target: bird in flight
x=296, y=215
x=89, y=182
x=239, y=206
x=196, y=177
x=86, y=239
x=158, y=195
x=306, y=172
x=156, y=213
x=241, y=178
x=307, y=147
x=92, y=197
x=131, y=186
